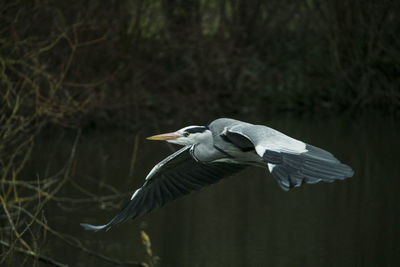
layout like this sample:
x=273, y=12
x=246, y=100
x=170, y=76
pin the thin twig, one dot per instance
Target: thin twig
x=134, y=155
x=35, y=255
x=74, y=242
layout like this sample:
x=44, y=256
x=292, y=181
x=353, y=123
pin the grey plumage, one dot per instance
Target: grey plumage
x=220, y=149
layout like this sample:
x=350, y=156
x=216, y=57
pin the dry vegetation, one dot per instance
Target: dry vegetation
x=36, y=91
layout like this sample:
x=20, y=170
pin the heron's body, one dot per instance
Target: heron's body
x=218, y=148
x=222, y=148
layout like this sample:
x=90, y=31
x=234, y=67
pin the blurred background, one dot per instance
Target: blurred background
x=83, y=82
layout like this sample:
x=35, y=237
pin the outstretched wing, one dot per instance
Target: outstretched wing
x=290, y=161
x=175, y=176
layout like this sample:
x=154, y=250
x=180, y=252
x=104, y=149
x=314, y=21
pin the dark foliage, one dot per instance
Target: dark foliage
x=130, y=61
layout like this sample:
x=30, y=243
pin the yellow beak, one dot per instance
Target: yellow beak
x=166, y=136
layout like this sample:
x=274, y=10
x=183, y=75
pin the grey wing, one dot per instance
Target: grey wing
x=290, y=161
x=177, y=175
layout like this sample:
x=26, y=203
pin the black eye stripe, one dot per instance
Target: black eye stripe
x=196, y=129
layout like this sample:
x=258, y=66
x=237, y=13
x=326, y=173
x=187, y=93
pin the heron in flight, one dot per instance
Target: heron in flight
x=220, y=149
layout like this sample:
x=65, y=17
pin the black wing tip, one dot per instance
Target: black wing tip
x=320, y=153
x=344, y=171
x=95, y=228
x=288, y=180
x=348, y=173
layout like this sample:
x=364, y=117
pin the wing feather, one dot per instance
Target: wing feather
x=176, y=176
x=294, y=162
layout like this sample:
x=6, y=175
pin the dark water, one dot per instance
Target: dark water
x=246, y=220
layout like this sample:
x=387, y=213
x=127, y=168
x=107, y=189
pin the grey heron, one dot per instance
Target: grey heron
x=220, y=149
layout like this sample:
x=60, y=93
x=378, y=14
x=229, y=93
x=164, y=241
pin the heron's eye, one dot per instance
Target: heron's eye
x=186, y=134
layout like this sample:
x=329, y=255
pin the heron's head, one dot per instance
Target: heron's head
x=186, y=136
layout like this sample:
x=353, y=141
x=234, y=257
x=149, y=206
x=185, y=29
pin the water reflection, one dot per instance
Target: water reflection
x=246, y=220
